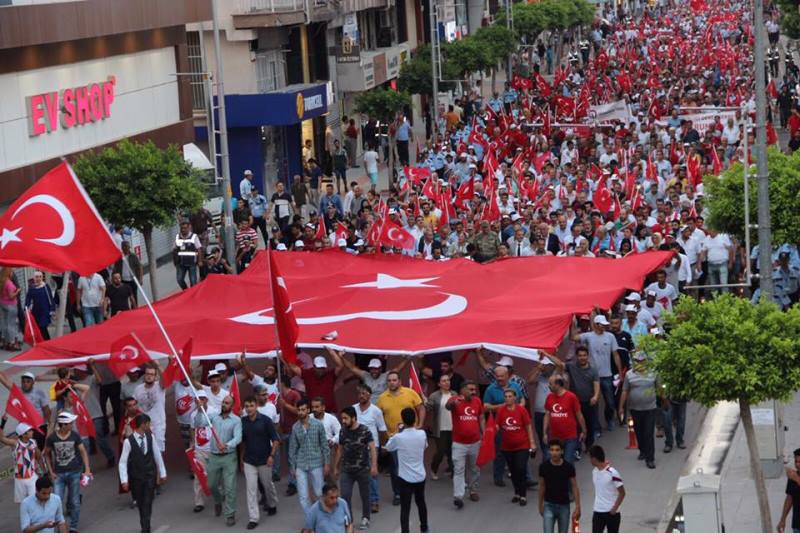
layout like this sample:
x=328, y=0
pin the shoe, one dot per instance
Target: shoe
x=577, y=455
x=217, y=509
x=660, y=434
x=499, y=483
x=158, y=490
x=230, y=521
x=531, y=484
x=474, y=496
x=291, y=490
x=523, y=502
x=641, y=457
x=198, y=509
x=396, y=499
x=376, y=507
x=364, y=524
x=252, y=525
x=133, y=504
x=458, y=502
x=651, y=464
x=276, y=478
x=667, y=448
x=681, y=446
x=515, y=499
x=434, y=477
x=271, y=511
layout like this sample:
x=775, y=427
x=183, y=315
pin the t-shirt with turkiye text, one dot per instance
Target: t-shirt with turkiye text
x=466, y=419
x=513, y=424
x=184, y=403
x=563, y=411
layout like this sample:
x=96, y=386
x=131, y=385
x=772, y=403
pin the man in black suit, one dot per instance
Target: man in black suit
x=141, y=468
x=551, y=240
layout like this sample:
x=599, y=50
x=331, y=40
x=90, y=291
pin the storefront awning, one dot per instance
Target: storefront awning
x=290, y=105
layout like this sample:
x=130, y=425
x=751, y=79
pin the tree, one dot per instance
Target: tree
x=141, y=186
x=416, y=75
x=790, y=18
x=725, y=197
x=498, y=42
x=465, y=56
x=382, y=104
x=728, y=349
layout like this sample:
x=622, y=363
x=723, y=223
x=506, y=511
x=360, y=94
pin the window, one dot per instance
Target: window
x=197, y=78
x=270, y=71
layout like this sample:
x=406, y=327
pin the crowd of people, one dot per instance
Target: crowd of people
x=525, y=172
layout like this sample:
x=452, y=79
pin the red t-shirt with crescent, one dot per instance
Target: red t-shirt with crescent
x=513, y=424
x=563, y=411
x=466, y=420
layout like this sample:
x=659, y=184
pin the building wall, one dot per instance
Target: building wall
x=239, y=63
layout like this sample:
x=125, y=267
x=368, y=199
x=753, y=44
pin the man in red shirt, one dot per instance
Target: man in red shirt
x=468, y=424
x=320, y=381
x=562, y=416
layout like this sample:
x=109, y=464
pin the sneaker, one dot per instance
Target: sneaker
x=271, y=511
x=364, y=524
x=376, y=508
x=659, y=433
x=396, y=500
x=515, y=499
x=252, y=525
x=523, y=502
x=198, y=509
x=577, y=455
x=681, y=446
x=651, y=464
x=458, y=502
x=230, y=521
x=531, y=483
x=474, y=496
x=434, y=476
x=641, y=457
x=667, y=448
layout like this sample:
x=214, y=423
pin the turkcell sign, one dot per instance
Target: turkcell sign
x=313, y=102
x=70, y=107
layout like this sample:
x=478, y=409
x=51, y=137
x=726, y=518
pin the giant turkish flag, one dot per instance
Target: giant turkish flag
x=383, y=304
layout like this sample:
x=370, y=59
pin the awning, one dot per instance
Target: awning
x=290, y=105
x=376, y=305
x=194, y=155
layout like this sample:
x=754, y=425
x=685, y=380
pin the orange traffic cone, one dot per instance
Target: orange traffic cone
x=632, y=444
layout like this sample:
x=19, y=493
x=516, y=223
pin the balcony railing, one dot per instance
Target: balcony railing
x=243, y=7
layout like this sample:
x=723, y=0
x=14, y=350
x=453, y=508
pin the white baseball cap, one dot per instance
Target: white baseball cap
x=630, y=307
x=212, y=374
x=248, y=172
x=299, y=244
x=374, y=363
x=320, y=362
x=28, y=375
x=634, y=297
x=220, y=367
x=134, y=369
x=281, y=247
x=65, y=417
x=652, y=293
x=23, y=428
x=201, y=393
x=601, y=319
x=505, y=361
x=341, y=242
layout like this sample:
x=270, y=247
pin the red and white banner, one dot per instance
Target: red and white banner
x=383, y=304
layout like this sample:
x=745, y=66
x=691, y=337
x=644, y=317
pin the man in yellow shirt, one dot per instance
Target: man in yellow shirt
x=391, y=403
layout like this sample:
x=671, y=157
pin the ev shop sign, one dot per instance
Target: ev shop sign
x=70, y=107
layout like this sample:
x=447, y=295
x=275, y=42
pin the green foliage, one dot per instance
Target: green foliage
x=497, y=42
x=728, y=349
x=466, y=56
x=140, y=185
x=416, y=74
x=725, y=197
x=532, y=19
x=790, y=18
x=382, y=104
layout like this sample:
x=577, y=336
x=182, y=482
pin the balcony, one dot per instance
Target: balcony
x=251, y=14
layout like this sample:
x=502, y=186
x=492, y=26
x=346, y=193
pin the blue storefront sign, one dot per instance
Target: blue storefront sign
x=290, y=105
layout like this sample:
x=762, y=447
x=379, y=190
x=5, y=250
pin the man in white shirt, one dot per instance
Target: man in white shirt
x=151, y=399
x=653, y=307
x=717, y=250
x=368, y=414
x=666, y=293
x=409, y=445
x=609, y=492
x=91, y=299
x=246, y=185
x=519, y=245
x=329, y=421
x=141, y=468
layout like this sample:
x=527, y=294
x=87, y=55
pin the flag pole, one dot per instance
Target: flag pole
x=174, y=352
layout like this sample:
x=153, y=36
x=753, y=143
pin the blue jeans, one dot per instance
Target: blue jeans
x=554, y=512
x=374, y=486
x=91, y=315
x=180, y=275
x=609, y=401
x=569, y=450
x=717, y=275
x=313, y=477
x=70, y=481
x=674, y=415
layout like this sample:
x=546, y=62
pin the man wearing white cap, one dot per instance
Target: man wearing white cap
x=246, y=185
x=374, y=377
x=632, y=325
x=653, y=306
x=37, y=397
x=67, y=460
x=602, y=347
x=320, y=381
x=27, y=460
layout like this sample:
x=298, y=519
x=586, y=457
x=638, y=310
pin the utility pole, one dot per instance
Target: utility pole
x=762, y=173
x=510, y=26
x=434, y=68
x=227, y=223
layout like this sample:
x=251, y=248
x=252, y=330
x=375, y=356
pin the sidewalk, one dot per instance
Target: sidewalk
x=739, y=505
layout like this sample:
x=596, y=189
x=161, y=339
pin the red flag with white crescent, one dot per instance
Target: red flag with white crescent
x=127, y=352
x=284, y=314
x=237, y=398
x=341, y=231
x=396, y=237
x=22, y=409
x=173, y=372
x=55, y=226
x=413, y=380
x=84, y=422
x=322, y=232
x=32, y=334
x=199, y=470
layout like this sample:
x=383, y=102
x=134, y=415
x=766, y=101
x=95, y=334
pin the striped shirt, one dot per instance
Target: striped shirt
x=246, y=237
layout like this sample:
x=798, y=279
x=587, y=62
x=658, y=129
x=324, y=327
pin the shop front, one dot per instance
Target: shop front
x=267, y=131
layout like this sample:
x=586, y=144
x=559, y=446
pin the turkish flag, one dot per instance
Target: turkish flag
x=465, y=193
x=322, y=232
x=716, y=163
x=429, y=190
x=284, y=315
x=491, y=211
x=413, y=380
x=541, y=85
x=395, y=236
x=237, y=398
x=22, y=409
x=126, y=353
x=173, y=371
x=341, y=231
x=772, y=136
x=55, y=226
x=486, y=453
x=32, y=334
x=416, y=174
x=603, y=200
x=199, y=470
x=84, y=422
